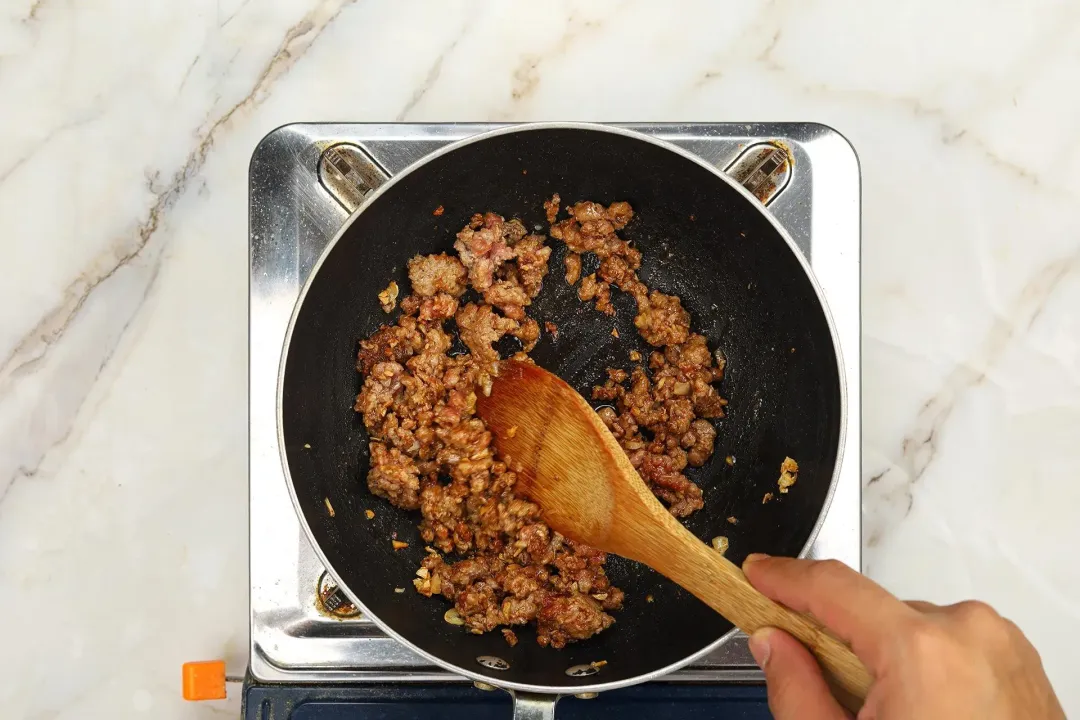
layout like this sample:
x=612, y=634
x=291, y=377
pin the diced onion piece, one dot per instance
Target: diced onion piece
x=789, y=473
x=388, y=297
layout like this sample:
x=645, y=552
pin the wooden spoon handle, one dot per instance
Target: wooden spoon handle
x=722, y=586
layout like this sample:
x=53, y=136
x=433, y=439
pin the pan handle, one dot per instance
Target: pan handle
x=533, y=706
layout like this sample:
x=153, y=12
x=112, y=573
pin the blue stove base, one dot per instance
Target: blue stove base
x=407, y=702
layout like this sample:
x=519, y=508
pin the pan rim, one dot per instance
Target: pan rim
x=383, y=189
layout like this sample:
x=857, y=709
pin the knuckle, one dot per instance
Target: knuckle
x=1012, y=637
x=977, y=613
x=828, y=570
x=982, y=622
x=1012, y=628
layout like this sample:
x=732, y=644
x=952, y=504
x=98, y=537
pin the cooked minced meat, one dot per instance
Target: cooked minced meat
x=551, y=208
x=591, y=288
x=573, y=268
x=661, y=319
x=509, y=297
x=484, y=245
x=661, y=421
x=528, y=333
x=429, y=451
x=480, y=327
x=531, y=255
x=431, y=274
x=440, y=306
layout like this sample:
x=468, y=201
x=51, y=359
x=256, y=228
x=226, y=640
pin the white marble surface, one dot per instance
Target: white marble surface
x=126, y=128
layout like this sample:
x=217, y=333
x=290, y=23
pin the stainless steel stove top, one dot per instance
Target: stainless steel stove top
x=305, y=180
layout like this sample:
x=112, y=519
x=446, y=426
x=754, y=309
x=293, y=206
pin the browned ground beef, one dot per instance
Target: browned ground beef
x=431, y=274
x=573, y=268
x=429, y=451
x=593, y=289
x=661, y=421
x=551, y=208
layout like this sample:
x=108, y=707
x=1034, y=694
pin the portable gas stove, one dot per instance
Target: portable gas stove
x=312, y=654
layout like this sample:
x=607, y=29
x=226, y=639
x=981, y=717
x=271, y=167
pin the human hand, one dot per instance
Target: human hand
x=928, y=661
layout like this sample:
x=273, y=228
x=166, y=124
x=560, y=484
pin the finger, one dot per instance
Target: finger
x=856, y=609
x=796, y=687
x=923, y=607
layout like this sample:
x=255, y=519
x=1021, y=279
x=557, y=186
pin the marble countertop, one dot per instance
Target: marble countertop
x=127, y=128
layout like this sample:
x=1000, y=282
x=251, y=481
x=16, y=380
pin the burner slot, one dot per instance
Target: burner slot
x=349, y=174
x=764, y=169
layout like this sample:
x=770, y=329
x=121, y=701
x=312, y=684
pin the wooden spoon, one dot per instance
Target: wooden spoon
x=570, y=464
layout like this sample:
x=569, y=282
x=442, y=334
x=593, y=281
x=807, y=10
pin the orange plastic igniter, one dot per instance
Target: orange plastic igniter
x=204, y=680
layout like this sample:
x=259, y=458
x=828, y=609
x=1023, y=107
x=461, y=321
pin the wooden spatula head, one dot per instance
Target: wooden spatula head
x=566, y=459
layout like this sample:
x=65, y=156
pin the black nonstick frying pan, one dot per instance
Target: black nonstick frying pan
x=703, y=238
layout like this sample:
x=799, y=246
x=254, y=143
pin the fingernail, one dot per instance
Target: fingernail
x=754, y=557
x=759, y=647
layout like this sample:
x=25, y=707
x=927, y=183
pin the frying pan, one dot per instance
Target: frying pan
x=703, y=238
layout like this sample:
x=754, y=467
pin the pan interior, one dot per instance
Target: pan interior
x=703, y=241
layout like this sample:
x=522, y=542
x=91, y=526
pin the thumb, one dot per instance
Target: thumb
x=797, y=688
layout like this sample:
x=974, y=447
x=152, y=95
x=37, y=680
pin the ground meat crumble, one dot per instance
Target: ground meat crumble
x=429, y=451
x=662, y=421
